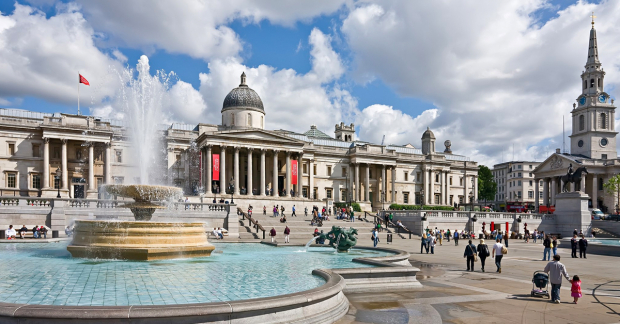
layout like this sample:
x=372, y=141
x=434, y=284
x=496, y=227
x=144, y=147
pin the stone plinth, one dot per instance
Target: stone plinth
x=571, y=212
x=138, y=240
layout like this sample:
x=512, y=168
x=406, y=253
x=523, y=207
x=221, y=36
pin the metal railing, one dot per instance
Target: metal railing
x=252, y=221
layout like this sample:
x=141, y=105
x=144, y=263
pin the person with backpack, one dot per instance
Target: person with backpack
x=470, y=254
x=448, y=235
x=456, y=237
x=483, y=253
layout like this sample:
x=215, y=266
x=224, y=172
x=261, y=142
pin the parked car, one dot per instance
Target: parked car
x=597, y=214
x=615, y=217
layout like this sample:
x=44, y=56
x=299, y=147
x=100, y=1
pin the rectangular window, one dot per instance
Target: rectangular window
x=56, y=182
x=437, y=178
x=460, y=200
x=519, y=174
x=329, y=171
x=314, y=193
x=314, y=169
x=600, y=183
x=519, y=194
x=418, y=199
x=540, y=194
x=36, y=181
x=460, y=181
x=328, y=193
x=519, y=183
x=56, y=154
x=530, y=194
x=304, y=192
x=406, y=176
x=531, y=182
x=343, y=195
x=519, y=166
x=451, y=200
x=11, y=180
x=450, y=180
x=304, y=169
x=604, y=156
x=344, y=171
x=530, y=167
x=36, y=152
x=405, y=197
x=418, y=176
x=11, y=148
x=437, y=199
x=119, y=156
x=370, y=174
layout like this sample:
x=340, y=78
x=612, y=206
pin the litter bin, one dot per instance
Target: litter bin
x=389, y=238
x=54, y=234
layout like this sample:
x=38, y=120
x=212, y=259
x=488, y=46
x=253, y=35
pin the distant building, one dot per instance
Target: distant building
x=516, y=186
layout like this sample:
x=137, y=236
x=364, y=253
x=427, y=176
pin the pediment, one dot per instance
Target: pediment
x=253, y=135
x=556, y=162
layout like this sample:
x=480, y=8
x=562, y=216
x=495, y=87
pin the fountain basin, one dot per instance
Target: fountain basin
x=138, y=240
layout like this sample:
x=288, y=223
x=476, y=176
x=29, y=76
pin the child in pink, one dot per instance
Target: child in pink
x=575, y=289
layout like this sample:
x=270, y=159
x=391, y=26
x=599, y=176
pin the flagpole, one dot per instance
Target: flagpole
x=78, y=92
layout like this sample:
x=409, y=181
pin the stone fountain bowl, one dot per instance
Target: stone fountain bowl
x=142, y=193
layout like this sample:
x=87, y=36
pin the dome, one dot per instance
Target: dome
x=428, y=134
x=243, y=97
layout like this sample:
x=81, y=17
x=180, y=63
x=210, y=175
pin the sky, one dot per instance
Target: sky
x=493, y=77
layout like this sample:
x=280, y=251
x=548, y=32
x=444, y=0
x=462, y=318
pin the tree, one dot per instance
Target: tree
x=611, y=186
x=486, y=184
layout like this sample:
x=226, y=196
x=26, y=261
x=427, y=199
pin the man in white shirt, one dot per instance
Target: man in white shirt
x=217, y=237
x=431, y=243
x=10, y=233
x=219, y=233
x=497, y=254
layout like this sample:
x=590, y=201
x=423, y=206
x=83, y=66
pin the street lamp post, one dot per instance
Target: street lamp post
x=58, y=176
x=422, y=197
x=383, y=199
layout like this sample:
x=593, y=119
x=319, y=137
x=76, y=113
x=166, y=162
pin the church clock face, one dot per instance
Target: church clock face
x=582, y=101
x=602, y=98
x=604, y=141
x=580, y=143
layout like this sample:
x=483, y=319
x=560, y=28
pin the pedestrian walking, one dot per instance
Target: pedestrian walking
x=535, y=235
x=264, y=210
x=575, y=289
x=456, y=238
x=423, y=243
x=294, y=209
x=498, y=254
x=375, y=237
x=483, y=253
x=287, y=232
x=448, y=235
x=556, y=271
x=554, y=245
x=574, y=243
x=506, y=237
x=547, y=251
x=583, y=245
x=272, y=233
x=431, y=243
x=441, y=237
x=470, y=254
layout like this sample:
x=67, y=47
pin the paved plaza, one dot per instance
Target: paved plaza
x=452, y=295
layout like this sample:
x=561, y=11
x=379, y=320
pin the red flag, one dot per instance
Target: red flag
x=83, y=80
x=294, y=171
x=216, y=167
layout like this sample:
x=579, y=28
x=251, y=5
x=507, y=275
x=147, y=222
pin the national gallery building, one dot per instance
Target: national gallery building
x=42, y=154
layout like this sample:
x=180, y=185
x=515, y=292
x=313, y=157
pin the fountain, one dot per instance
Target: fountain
x=142, y=239
x=340, y=238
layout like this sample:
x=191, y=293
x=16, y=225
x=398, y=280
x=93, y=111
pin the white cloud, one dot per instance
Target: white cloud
x=196, y=28
x=399, y=128
x=292, y=101
x=496, y=75
x=41, y=56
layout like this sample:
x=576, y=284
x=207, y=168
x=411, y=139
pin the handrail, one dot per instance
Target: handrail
x=253, y=221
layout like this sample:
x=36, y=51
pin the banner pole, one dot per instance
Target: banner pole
x=78, y=92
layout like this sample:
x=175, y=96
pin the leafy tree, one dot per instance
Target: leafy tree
x=612, y=186
x=486, y=184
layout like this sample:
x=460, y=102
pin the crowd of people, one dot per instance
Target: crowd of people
x=37, y=232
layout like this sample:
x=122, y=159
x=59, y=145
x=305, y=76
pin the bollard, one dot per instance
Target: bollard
x=2, y=234
x=54, y=234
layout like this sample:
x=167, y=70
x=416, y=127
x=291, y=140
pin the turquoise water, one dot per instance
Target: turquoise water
x=614, y=242
x=46, y=274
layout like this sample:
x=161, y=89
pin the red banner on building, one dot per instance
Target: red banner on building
x=294, y=172
x=216, y=167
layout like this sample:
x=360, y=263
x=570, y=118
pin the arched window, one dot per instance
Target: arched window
x=591, y=83
x=582, y=122
x=603, y=121
x=585, y=84
x=232, y=123
x=250, y=119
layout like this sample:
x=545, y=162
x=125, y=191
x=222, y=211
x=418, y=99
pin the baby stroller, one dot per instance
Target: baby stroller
x=540, y=284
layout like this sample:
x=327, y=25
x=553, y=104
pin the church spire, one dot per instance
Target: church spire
x=593, y=47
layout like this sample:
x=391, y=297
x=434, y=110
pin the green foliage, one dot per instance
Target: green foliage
x=356, y=206
x=613, y=186
x=419, y=207
x=487, y=187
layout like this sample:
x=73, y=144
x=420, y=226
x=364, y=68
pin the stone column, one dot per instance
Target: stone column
x=367, y=184
x=465, y=193
x=299, y=168
x=108, y=163
x=274, y=185
x=394, y=184
x=356, y=188
x=383, y=185
x=207, y=170
x=223, y=180
x=431, y=191
x=595, y=191
x=446, y=191
x=475, y=188
x=263, y=171
x=46, y=163
x=65, y=172
x=582, y=183
x=553, y=189
x=311, y=179
x=545, y=191
x=236, y=169
x=536, y=195
x=288, y=174
x=425, y=188
x=91, y=166
x=250, y=174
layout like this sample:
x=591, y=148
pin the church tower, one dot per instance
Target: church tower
x=594, y=134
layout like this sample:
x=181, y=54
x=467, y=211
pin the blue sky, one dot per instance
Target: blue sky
x=373, y=72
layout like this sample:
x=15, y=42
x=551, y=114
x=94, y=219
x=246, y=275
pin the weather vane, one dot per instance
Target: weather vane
x=593, y=16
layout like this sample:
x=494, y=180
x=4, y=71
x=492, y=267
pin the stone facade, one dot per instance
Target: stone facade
x=516, y=190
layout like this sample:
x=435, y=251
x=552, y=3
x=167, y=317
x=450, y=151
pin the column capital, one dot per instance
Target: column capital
x=63, y=140
x=236, y=148
x=208, y=146
x=250, y=149
x=288, y=153
x=223, y=147
x=275, y=152
x=46, y=140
